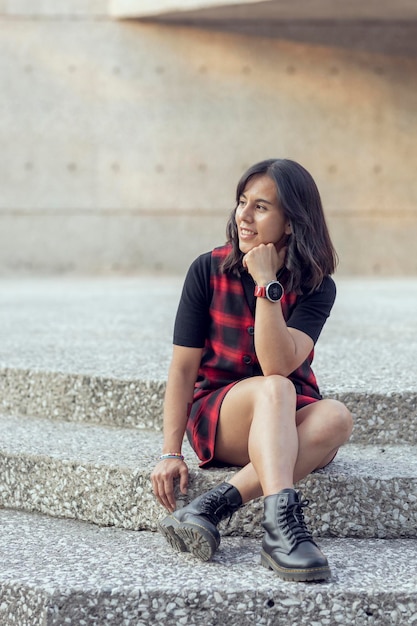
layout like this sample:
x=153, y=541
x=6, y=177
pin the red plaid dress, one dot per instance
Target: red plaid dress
x=229, y=356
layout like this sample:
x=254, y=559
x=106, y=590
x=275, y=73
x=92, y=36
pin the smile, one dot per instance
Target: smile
x=245, y=232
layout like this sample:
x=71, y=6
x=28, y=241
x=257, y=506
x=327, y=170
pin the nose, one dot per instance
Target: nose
x=246, y=213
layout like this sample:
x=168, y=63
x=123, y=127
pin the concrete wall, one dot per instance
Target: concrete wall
x=123, y=141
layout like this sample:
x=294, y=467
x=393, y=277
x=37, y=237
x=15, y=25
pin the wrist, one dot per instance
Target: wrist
x=264, y=280
x=171, y=455
x=273, y=291
x=172, y=442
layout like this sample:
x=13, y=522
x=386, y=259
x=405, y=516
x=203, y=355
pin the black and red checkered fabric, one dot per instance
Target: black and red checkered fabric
x=229, y=356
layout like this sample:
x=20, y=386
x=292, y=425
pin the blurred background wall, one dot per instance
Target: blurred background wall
x=125, y=126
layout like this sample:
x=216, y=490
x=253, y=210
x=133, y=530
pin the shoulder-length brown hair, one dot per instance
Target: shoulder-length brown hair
x=310, y=253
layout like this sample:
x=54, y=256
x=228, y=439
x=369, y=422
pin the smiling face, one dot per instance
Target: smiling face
x=259, y=217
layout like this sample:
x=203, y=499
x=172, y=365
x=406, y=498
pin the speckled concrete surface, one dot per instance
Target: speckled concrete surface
x=98, y=351
x=121, y=328
x=57, y=572
x=82, y=398
x=378, y=418
x=87, y=350
x=102, y=474
x=112, y=328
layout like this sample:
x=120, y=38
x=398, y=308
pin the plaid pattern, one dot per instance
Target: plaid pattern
x=229, y=356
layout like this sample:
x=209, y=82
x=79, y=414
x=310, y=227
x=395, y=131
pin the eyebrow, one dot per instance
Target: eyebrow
x=258, y=199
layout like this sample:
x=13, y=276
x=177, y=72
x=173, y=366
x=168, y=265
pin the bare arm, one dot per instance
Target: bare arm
x=280, y=350
x=179, y=393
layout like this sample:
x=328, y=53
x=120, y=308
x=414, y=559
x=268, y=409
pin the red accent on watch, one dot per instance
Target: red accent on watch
x=260, y=292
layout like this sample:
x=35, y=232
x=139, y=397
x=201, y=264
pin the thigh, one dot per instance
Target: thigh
x=270, y=395
x=325, y=413
x=324, y=422
x=235, y=421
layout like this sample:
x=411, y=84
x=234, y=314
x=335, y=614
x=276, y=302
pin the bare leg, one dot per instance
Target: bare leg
x=260, y=429
x=261, y=432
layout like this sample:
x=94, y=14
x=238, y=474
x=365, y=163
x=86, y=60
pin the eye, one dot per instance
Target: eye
x=261, y=207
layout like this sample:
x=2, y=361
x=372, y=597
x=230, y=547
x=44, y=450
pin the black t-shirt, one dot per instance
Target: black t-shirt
x=192, y=321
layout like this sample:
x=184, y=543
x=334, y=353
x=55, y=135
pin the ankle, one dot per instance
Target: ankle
x=233, y=495
x=283, y=488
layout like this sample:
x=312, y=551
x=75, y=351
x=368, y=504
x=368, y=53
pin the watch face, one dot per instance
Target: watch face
x=274, y=291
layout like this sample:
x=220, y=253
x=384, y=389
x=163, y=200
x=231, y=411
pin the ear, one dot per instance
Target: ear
x=288, y=229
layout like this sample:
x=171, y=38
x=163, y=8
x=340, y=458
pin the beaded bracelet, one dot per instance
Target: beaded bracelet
x=172, y=455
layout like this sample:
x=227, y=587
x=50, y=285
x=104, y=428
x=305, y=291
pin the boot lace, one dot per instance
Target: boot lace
x=296, y=523
x=216, y=507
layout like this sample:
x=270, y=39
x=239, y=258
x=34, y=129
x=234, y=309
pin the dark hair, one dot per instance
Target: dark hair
x=310, y=253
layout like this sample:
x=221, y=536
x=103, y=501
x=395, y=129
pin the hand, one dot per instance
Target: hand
x=163, y=477
x=264, y=261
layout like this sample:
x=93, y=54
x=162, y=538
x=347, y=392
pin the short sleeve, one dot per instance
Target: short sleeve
x=192, y=319
x=312, y=310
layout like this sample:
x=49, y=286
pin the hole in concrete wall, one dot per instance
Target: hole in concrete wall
x=71, y=167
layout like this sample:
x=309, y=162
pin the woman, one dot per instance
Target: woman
x=240, y=381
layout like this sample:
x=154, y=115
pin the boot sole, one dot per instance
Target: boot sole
x=187, y=537
x=296, y=575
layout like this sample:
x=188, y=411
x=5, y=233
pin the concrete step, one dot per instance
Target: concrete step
x=102, y=475
x=57, y=572
x=92, y=356
x=380, y=418
x=97, y=350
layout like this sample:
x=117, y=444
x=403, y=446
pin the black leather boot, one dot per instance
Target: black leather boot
x=194, y=527
x=288, y=547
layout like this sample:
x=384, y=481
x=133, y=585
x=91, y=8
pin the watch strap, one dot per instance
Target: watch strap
x=260, y=292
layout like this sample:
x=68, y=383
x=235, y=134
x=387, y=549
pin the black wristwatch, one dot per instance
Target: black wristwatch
x=273, y=291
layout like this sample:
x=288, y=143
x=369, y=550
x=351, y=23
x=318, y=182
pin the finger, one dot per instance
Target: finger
x=155, y=488
x=184, y=479
x=169, y=498
x=159, y=491
x=162, y=498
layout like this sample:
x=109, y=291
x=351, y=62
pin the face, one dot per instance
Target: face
x=259, y=217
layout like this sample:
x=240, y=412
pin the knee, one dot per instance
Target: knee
x=339, y=420
x=278, y=388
